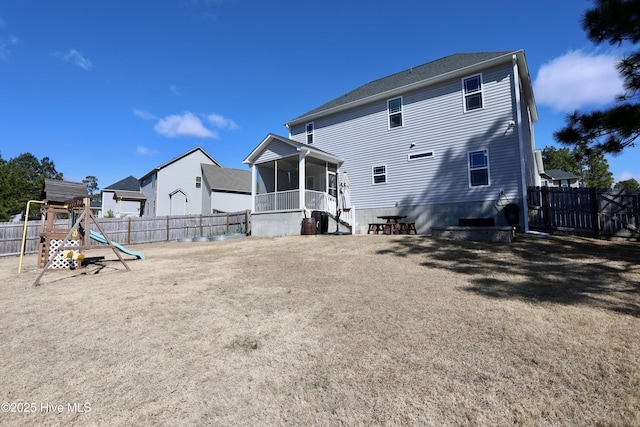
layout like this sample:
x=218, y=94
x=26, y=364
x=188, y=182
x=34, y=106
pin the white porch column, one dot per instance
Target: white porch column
x=254, y=185
x=301, y=177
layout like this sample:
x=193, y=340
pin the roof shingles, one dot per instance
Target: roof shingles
x=414, y=75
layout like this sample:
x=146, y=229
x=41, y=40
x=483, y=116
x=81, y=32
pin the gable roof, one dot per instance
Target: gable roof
x=129, y=184
x=423, y=75
x=227, y=179
x=59, y=191
x=560, y=174
x=310, y=149
x=180, y=157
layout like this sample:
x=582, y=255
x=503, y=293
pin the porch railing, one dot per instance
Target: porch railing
x=290, y=200
x=279, y=201
x=320, y=201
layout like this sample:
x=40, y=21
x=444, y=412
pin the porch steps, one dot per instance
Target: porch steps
x=340, y=221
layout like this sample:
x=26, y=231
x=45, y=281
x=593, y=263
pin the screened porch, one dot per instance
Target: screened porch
x=279, y=187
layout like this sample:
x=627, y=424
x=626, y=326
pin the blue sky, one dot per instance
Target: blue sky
x=116, y=88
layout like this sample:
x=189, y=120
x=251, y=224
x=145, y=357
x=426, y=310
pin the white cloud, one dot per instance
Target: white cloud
x=221, y=123
x=578, y=79
x=174, y=90
x=185, y=125
x=5, y=46
x=76, y=58
x=207, y=7
x=145, y=151
x=623, y=176
x=143, y=114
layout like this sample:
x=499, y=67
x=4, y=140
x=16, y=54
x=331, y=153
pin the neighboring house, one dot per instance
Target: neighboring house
x=228, y=190
x=446, y=140
x=123, y=199
x=195, y=183
x=96, y=208
x=559, y=178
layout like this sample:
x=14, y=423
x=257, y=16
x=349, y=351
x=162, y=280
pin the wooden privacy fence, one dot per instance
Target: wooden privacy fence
x=589, y=211
x=127, y=231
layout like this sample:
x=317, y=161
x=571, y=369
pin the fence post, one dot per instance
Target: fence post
x=128, y=230
x=247, y=222
x=595, y=194
x=545, y=209
x=167, y=228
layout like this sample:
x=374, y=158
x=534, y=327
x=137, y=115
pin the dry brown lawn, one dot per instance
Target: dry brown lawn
x=328, y=330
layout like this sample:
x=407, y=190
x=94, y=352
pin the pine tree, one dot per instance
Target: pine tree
x=591, y=167
x=613, y=129
x=629, y=184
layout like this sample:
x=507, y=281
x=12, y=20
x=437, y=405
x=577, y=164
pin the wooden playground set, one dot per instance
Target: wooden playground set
x=63, y=248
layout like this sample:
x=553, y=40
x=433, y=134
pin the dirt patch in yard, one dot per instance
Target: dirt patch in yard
x=328, y=330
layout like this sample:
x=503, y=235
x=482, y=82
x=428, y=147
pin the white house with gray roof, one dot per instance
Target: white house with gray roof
x=226, y=189
x=195, y=183
x=559, y=178
x=122, y=199
x=446, y=140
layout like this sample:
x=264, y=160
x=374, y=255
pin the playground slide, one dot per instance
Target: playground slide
x=100, y=238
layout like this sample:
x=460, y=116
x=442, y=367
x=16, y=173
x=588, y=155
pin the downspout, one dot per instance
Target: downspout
x=523, y=177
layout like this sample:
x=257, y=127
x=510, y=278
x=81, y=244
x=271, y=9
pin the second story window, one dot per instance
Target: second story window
x=472, y=89
x=394, y=108
x=198, y=181
x=310, y=133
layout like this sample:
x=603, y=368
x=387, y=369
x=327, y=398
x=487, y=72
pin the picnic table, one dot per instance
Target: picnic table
x=392, y=225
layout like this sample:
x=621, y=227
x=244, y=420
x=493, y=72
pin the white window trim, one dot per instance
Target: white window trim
x=307, y=133
x=464, y=94
x=488, y=168
x=401, y=112
x=423, y=155
x=386, y=174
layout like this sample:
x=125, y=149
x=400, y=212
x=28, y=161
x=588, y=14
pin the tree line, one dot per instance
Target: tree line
x=591, y=167
x=22, y=179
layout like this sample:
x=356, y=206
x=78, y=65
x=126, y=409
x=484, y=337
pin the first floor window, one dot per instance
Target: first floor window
x=310, y=133
x=379, y=174
x=198, y=181
x=478, y=168
x=394, y=108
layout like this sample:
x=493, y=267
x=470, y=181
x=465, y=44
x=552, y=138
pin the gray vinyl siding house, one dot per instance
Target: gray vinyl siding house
x=175, y=188
x=449, y=139
x=195, y=183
